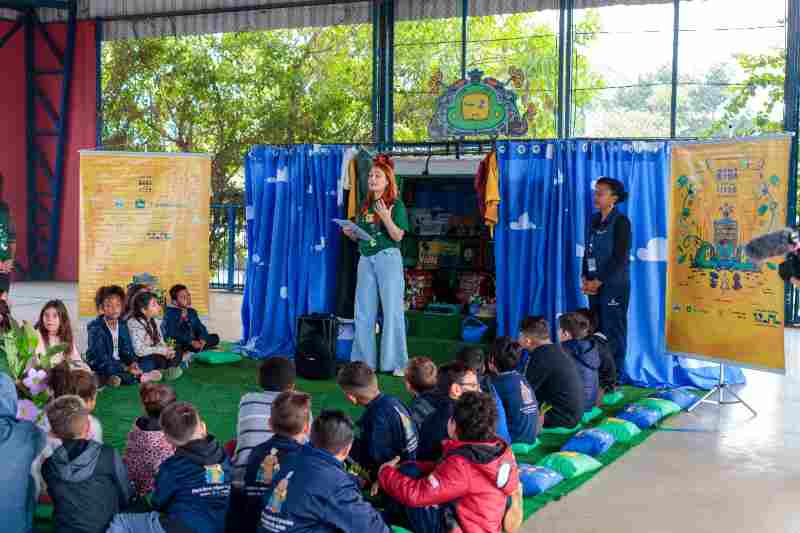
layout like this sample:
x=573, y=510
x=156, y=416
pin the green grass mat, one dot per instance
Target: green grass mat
x=216, y=390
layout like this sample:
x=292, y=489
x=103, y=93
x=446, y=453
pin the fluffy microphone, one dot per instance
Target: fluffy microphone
x=777, y=243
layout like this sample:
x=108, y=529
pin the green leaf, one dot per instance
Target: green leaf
x=775, y=180
x=772, y=266
x=681, y=259
x=762, y=209
x=685, y=212
x=683, y=181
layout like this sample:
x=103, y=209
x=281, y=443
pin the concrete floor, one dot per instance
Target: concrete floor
x=713, y=470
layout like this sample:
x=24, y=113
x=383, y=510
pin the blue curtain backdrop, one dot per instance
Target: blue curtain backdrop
x=546, y=199
x=290, y=196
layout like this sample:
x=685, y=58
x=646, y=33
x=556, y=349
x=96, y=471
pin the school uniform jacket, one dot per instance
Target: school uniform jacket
x=314, y=494
x=100, y=354
x=192, y=488
x=387, y=431
x=519, y=402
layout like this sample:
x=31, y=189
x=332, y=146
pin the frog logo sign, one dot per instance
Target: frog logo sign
x=477, y=106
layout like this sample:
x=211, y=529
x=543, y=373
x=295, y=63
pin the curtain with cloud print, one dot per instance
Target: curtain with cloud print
x=546, y=201
x=292, y=243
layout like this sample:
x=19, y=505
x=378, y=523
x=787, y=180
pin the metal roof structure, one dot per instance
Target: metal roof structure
x=124, y=19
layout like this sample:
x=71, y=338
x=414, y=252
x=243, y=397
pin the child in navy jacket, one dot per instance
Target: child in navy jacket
x=573, y=333
x=192, y=486
x=182, y=323
x=421, y=384
x=290, y=420
x=514, y=390
x=387, y=430
x=312, y=491
x=110, y=353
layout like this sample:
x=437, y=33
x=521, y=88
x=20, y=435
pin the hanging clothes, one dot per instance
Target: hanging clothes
x=347, y=269
x=352, y=194
x=344, y=178
x=492, y=216
x=480, y=185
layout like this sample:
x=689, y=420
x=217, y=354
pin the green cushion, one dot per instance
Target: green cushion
x=570, y=464
x=523, y=448
x=561, y=431
x=217, y=358
x=664, y=407
x=613, y=398
x=398, y=529
x=590, y=416
x=622, y=430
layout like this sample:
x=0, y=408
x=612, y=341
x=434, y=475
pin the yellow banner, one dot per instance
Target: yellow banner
x=720, y=305
x=144, y=219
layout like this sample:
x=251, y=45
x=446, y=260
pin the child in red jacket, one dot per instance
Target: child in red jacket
x=468, y=491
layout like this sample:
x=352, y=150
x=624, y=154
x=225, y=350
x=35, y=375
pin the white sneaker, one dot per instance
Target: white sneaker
x=399, y=372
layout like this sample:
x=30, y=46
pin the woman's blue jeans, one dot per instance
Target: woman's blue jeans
x=381, y=279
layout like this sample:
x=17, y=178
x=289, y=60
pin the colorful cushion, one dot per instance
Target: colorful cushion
x=523, y=448
x=621, y=430
x=217, y=358
x=570, y=464
x=537, y=479
x=683, y=398
x=642, y=416
x=590, y=416
x=592, y=442
x=664, y=407
x=613, y=398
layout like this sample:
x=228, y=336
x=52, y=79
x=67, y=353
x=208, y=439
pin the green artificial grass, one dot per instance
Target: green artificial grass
x=216, y=391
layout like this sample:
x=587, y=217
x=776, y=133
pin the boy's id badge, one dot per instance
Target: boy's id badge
x=592, y=264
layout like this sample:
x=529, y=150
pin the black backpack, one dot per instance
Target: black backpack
x=315, y=357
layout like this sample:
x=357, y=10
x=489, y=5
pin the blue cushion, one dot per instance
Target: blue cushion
x=537, y=479
x=642, y=416
x=683, y=398
x=592, y=442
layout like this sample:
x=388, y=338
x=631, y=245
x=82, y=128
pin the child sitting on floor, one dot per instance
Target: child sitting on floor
x=20, y=443
x=192, y=486
x=182, y=323
x=515, y=392
x=607, y=373
x=313, y=492
x=386, y=426
x=473, y=357
x=133, y=291
x=275, y=375
x=53, y=329
x=469, y=489
x=65, y=380
x=110, y=352
x=420, y=378
x=87, y=481
x=6, y=321
x=152, y=353
x=148, y=447
x=290, y=419
x=574, y=333
x=454, y=380
x=552, y=374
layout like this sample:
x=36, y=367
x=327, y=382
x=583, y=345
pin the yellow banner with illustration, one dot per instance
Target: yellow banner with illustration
x=720, y=304
x=144, y=219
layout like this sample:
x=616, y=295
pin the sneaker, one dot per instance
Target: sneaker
x=153, y=375
x=115, y=381
x=399, y=372
x=171, y=374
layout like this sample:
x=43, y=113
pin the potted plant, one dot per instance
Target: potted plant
x=29, y=371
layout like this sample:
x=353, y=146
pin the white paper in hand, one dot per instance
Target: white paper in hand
x=357, y=231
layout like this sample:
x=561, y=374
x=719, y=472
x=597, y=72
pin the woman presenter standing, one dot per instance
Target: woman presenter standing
x=606, y=275
x=380, y=272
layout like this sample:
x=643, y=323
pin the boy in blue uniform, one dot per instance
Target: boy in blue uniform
x=312, y=492
x=475, y=359
x=387, y=430
x=192, y=486
x=420, y=379
x=110, y=353
x=182, y=323
x=290, y=421
x=454, y=380
x=514, y=390
x=574, y=333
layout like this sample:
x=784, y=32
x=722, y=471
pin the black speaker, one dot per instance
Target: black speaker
x=315, y=357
